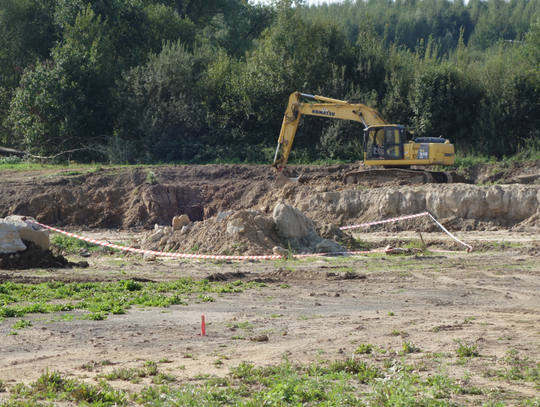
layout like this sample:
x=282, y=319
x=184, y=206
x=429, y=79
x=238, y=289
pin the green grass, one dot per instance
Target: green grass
x=54, y=386
x=364, y=348
x=101, y=299
x=234, y=337
x=66, y=173
x=134, y=375
x=205, y=298
x=463, y=159
x=21, y=324
x=410, y=347
x=242, y=325
x=72, y=245
x=342, y=382
x=16, y=164
x=467, y=159
x=465, y=350
x=13, y=163
x=95, y=316
x=151, y=178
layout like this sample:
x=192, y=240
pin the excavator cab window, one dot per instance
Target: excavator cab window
x=384, y=143
x=374, y=145
x=393, y=143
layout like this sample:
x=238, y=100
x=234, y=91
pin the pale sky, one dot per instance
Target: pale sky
x=316, y=2
x=308, y=2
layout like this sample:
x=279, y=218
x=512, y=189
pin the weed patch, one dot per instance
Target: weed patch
x=364, y=348
x=21, y=324
x=53, y=386
x=465, y=350
x=285, y=384
x=105, y=298
x=71, y=245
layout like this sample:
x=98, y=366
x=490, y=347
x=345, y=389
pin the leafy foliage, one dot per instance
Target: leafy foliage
x=196, y=81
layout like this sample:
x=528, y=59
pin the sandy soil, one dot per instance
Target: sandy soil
x=308, y=309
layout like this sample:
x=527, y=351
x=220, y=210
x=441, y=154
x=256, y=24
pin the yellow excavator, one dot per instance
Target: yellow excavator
x=384, y=144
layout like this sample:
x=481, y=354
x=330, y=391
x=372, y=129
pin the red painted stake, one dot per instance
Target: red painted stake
x=203, y=326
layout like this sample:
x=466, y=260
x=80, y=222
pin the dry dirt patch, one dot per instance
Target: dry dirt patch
x=309, y=310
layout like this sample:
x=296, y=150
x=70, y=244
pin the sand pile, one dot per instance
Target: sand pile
x=250, y=232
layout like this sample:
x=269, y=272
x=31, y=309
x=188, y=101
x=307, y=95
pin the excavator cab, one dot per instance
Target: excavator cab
x=384, y=142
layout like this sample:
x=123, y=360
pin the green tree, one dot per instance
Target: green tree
x=166, y=25
x=162, y=117
x=444, y=101
x=509, y=113
x=246, y=100
x=237, y=29
x=26, y=33
x=64, y=104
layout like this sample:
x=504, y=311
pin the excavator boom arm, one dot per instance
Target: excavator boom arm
x=331, y=108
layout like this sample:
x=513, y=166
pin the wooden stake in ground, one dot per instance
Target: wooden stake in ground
x=423, y=243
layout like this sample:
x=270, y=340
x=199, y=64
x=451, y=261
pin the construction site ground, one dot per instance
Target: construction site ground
x=319, y=308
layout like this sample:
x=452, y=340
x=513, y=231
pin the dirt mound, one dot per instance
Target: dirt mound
x=282, y=274
x=35, y=257
x=122, y=198
x=505, y=173
x=311, y=275
x=228, y=276
x=245, y=232
x=214, y=237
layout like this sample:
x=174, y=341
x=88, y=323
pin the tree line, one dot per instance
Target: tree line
x=146, y=81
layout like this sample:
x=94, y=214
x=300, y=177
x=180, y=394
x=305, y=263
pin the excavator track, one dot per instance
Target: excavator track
x=403, y=175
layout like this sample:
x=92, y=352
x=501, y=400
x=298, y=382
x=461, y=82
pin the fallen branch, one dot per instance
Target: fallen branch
x=5, y=150
x=52, y=157
x=11, y=151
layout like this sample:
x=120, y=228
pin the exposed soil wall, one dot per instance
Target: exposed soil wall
x=121, y=198
x=496, y=205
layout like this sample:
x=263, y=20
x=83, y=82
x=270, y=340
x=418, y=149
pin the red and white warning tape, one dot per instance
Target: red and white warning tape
x=469, y=248
x=361, y=225
x=156, y=253
x=267, y=257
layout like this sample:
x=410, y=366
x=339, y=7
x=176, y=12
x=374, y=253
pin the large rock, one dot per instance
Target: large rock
x=291, y=223
x=10, y=241
x=149, y=257
x=235, y=227
x=155, y=236
x=30, y=232
x=280, y=251
x=222, y=215
x=179, y=221
x=329, y=246
x=298, y=231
